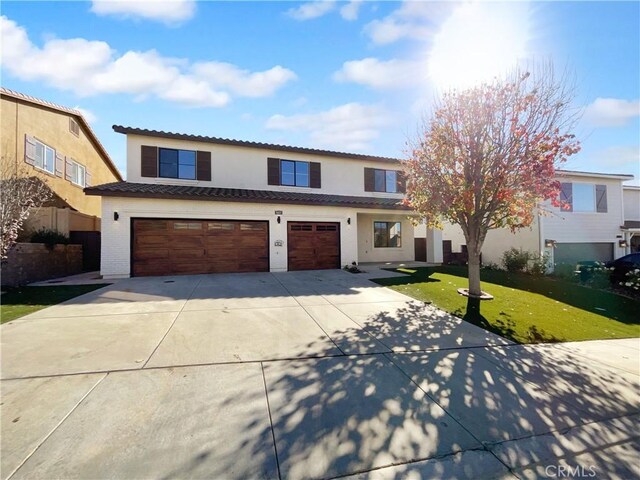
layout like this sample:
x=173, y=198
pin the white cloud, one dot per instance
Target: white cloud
x=243, y=82
x=88, y=115
x=618, y=156
x=310, y=10
x=93, y=67
x=167, y=11
x=612, y=112
x=349, y=127
x=415, y=20
x=350, y=11
x=381, y=74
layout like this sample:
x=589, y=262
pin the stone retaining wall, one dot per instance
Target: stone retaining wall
x=33, y=262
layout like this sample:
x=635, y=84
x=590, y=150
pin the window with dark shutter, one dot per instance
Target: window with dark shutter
x=369, y=179
x=149, y=161
x=566, y=196
x=315, y=180
x=273, y=171
x=203, y=166
x=601, y=198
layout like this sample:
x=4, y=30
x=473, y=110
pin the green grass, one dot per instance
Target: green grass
x=20, y=301
x=525, y=309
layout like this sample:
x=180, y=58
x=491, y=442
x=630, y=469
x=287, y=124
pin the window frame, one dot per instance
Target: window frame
x=388, y=227
x=44, y=157
x=385, y=180
x=177, y=164
x=77, y=167
x=295, y=173
x=594, y=205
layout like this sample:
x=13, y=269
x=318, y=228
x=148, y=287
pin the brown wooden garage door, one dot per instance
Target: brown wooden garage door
x=180, y=247
x=313, y=245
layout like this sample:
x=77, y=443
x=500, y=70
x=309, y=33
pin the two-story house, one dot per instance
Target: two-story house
x=591, y=228
x=55, y=143
x=194, y=204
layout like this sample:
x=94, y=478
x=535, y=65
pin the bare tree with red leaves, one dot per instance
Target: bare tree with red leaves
x=487, y=157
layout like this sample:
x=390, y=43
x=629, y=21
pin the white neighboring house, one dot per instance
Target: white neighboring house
x=592, y=229
x=631, y=230
x=194, y=204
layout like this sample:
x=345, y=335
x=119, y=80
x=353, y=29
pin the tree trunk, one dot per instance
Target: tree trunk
x=474, y=269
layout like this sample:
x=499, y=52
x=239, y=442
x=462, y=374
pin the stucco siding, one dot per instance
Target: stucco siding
x=116, y=235
x=52, y=128
x=367, y=252
x=497, y=241
x=632, y=203
x=245, y=167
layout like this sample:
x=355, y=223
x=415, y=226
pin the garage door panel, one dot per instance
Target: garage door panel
x=165, y=247
x=313, y=245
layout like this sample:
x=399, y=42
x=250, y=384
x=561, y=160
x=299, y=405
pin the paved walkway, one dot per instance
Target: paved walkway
x=302, y=375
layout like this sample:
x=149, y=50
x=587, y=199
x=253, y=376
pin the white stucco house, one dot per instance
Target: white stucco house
x=597, y=226
x=194, y=204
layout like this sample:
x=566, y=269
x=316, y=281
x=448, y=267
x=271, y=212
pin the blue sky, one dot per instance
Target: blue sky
x=347, y=76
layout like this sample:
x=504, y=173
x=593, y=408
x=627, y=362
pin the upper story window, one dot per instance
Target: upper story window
x=177, y=163
x=45, y=157
x=77, y=173
x=584, y=197
x=294, y=173
x=387, y=181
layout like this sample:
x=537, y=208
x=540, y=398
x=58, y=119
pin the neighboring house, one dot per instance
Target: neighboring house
x=55, y=143
x=194, y=204
x=631, y=226
x=591, y=229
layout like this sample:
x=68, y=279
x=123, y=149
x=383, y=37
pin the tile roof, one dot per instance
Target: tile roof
x=186, y=192
x=631, y=224
x=76, y=113
x=244, y=143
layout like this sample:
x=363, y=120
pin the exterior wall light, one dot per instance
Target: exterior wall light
x=115, y=216
x=349, y=221
x=549, y=243
x=623, y=243
x=278, y=219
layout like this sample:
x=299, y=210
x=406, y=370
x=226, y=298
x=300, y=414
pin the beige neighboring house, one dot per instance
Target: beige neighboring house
x=194, y=204
x=631, y=226
x=56, y=144
x=593, y=228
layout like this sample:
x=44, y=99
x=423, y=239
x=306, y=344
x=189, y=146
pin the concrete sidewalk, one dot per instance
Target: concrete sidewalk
x=301, y=375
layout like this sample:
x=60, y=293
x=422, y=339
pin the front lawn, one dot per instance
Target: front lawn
x=20, y=301
x=525, y=309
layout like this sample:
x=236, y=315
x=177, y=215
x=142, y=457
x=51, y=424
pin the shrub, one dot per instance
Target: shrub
x=565, y=271
x=491, y=266
x=538, y=264
x=49, y=237
x=632, y=280
x=515, y=260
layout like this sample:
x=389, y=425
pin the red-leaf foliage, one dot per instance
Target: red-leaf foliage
x=487, y=157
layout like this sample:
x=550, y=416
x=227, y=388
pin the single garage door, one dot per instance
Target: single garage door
x=313, y=245
x=180, y=247
x=572, y=253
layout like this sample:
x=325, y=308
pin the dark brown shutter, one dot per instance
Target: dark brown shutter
x=68, y=169
x=369, y=179
x=149, y=161
x=59, y=164
x=601, y=198
x=203, y=166
x=315, y=180
x=566, y=196
x=29, y=149
x=273, y=171
x=401, y=182
x=87, y=178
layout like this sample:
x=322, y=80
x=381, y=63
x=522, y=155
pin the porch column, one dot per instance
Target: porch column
x=434, y=245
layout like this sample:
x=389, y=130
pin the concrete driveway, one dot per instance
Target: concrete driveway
x=302, y=375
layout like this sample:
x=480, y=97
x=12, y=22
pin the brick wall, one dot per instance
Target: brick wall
x=33, y=262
